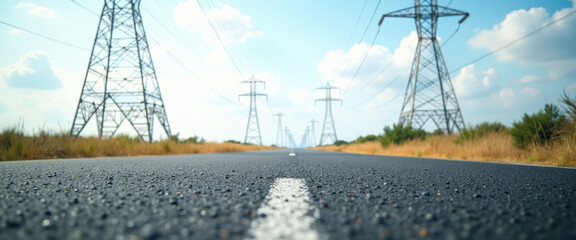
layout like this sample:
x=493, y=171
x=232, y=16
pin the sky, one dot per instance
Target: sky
x=295, y=47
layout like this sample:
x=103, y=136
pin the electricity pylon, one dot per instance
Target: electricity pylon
x=287, y=137
x=279, y=134
x=312, y=132
x=304, y=141
x=120, y=82
x=253, y=126
x=429, y=94
x=328, y=128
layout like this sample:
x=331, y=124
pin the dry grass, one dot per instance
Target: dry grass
x=14, y=145
x=495, y=147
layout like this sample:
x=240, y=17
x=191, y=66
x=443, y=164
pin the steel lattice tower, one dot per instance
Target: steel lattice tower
x=328, y=128
x=429, y=94
x=253, y=126
x=312, y=132
x=279, y=134
x=120, y=82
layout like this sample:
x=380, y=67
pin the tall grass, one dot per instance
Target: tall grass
x=15, y=145
x=493, y=146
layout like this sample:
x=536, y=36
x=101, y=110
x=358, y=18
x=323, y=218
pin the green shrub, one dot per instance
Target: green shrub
x=399, y=134
x=438, y=132
x=481, y=130
x=195, y=139
x=369, y=138
x=537, y=128
x=340, y=142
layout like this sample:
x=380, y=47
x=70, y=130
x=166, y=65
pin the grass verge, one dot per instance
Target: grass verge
x=492, y=147
x=15, y=145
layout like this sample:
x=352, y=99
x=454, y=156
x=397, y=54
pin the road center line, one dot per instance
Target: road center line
x=286, y=212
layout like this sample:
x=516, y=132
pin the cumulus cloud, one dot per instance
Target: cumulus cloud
x=509, y=98
x=381, y=63
x=231, y=24
x=33, y=71
x=473, y=83
x=36, y=10
x=552, y=48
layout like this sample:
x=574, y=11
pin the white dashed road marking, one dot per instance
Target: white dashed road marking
x=286, y=212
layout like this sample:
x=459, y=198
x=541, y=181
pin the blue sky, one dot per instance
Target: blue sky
x=295, y=46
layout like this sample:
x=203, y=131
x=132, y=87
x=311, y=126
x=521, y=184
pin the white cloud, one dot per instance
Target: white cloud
x=552, y=48
x=231, y=24
x=531, y=79
x=509, y=98
x=532, y=92
x=472, y=83
x=380, y=66
x=36, y=10
x=32, y=72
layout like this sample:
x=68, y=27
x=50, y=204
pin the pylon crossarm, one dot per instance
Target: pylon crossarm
x=446, y=12
x=409, y=12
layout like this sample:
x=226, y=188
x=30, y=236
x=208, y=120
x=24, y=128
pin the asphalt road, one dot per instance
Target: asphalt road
x=228, y=196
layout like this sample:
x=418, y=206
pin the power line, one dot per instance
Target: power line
x=361, y=63
x=356, y=24
x=515, y=41
x=187, y=45
x=85, y=8
x=45, y=37
x=187, y=69
x=371, y=18
x=361, y=38
x=367, y=52
x=376, y=94
x=173, y=57
x=219, y=38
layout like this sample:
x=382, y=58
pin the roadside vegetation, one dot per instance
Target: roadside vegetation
x=547, y=137
x=16, y=145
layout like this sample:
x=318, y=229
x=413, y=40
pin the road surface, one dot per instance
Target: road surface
x=285, y=194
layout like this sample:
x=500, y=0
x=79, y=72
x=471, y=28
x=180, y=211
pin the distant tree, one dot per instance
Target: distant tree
x=368, y=138
x=399, y=134
x=195, y=139
x=438, y=132
x=232, y=141
x=175, y=137
x=340, y=142
x=537, y=128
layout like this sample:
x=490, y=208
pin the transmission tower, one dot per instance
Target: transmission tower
x=328, y=128
x=253, y=126
x=312, y=132
x=120, y=83
x=287, y=137
x=279, y=134
x=429, y=94
x=305, y=138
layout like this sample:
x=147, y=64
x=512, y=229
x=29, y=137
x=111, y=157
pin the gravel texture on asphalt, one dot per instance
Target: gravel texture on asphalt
x=216, y=196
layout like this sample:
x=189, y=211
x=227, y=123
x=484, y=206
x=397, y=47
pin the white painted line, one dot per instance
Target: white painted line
x=286, y=212
x=292, y=154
